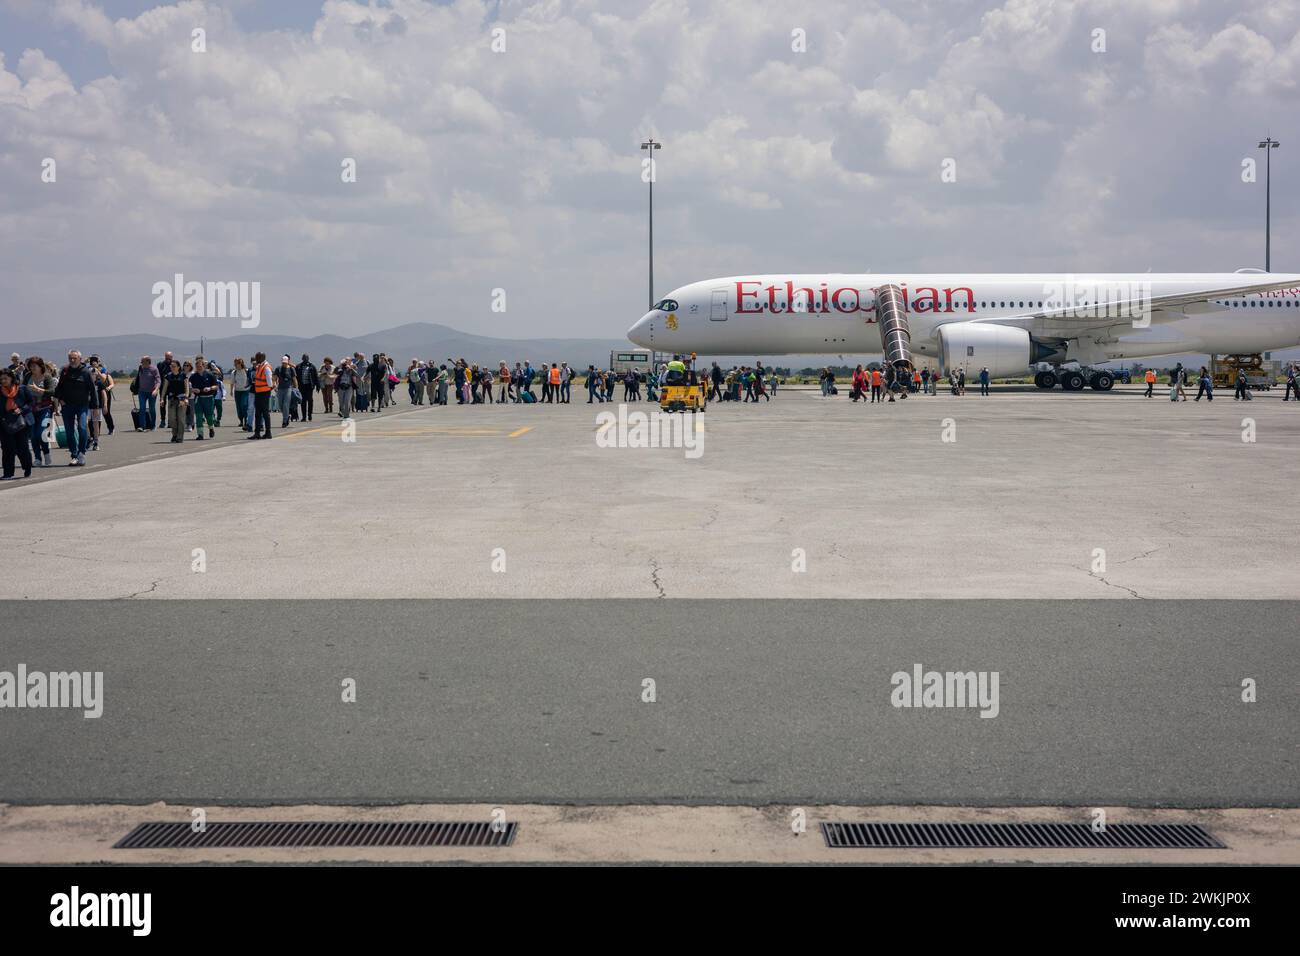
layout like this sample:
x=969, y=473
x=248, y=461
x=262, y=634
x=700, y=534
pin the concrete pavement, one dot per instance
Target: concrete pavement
x=1040, y=495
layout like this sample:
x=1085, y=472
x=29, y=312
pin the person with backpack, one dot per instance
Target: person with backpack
x=77, y=392
x=567, y=375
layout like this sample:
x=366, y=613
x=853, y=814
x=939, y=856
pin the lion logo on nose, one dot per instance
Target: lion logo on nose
x=672, y=321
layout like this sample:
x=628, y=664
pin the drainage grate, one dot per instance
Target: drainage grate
x=1030, y=836
x=246, y=835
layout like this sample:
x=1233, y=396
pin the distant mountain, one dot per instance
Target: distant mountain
x=425, y=340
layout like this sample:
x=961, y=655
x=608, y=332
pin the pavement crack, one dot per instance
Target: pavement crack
x=654, y=578
x=1110, y=584
x=1144, y=554
x=153, y=587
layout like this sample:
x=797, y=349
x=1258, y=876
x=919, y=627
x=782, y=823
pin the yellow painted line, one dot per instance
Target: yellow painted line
x=310, y=431
x=519, y=431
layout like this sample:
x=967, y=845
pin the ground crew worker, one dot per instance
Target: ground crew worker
x=1151, y=382
x=916, y=380
x=676, y=371
x=553, y=380
x=262, y=386
x=877, y=383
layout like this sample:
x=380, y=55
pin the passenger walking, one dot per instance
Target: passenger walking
x=39, y=383
x=145, y=385
x=285, y=381
x=1243, y=385
x=242, y=385
x=176, y=391
x=346, y=384
x=308, y=382
x=203, y=392
x=326, y=375
x=164, y=369
x=219, y=399
x=1206, y=385
x=16, y=421
x=1292, y=386
x=76, y=393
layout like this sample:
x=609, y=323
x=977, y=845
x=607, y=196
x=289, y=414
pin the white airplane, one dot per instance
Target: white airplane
x=1004, y=322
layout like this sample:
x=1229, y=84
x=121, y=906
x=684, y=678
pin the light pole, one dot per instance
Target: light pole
x=651, y=145
x=1268, y=145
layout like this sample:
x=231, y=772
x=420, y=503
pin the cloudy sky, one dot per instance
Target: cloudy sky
x=799, y=137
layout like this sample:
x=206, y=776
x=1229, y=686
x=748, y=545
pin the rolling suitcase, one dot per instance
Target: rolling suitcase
x=362, y=402
x=1173, y=393
x=528, y=397
x=135, y=417
x=61, y=436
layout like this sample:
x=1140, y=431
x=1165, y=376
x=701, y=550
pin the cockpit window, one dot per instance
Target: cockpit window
x=667, y=305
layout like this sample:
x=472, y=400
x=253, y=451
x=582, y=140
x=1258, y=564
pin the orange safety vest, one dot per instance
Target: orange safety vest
x=262, y=378
x=1151, y=375
x=555, y=376
x=876, y=377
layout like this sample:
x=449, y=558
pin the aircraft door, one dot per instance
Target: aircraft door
x=718, y=307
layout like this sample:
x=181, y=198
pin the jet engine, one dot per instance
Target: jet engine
x=973, y=345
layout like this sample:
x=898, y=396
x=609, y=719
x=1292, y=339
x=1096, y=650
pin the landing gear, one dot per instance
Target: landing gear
x=1045, y=380
x=1073, y=381
x=1102, y=381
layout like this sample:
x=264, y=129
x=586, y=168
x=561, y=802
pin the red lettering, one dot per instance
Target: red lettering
x=923, y=295
x=970, y=298
x=857, y=300
x=740, y=296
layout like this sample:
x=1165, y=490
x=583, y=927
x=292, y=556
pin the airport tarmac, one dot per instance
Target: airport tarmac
x=1098, y=703
x=1040, y=495
x=227, y=594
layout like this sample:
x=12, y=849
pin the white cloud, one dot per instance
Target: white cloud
x=521, y=169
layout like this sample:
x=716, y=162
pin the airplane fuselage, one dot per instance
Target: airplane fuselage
x=836, y=313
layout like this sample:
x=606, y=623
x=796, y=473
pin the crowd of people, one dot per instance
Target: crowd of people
x=888, y=383
x=34, y=391
x=191, y=394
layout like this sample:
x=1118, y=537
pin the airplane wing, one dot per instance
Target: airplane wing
x=1129, y=308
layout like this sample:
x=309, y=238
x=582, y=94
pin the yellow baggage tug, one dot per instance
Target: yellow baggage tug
x=681, y=398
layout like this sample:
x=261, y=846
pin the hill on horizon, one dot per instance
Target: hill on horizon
x=424, y=340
